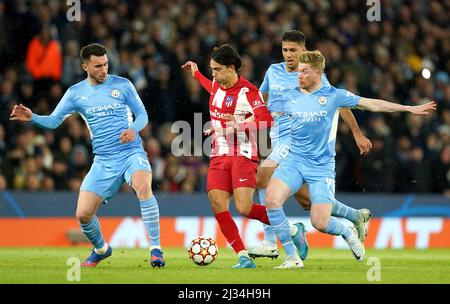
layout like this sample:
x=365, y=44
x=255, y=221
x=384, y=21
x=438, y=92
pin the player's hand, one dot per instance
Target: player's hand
x=231, y=120
x=127, y=136
x=191, y=65
x=364, y=144
x=423, y=109
x=207, y=132
x=21, y=113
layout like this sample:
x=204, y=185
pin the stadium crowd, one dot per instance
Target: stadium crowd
x=403, y=58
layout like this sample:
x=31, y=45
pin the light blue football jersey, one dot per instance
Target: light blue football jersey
x=314, y=122
x=277, y=81
x=107, y=109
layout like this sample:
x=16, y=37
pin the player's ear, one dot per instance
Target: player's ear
x=84, y=66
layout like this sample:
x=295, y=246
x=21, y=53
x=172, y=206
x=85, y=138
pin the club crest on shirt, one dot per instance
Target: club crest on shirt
x=323, y=100
x=115, y=93
x=229, y=101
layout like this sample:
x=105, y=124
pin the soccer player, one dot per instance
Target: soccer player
x=315, y=111
x=236, y=109
x=106, y=103
x=279, y=79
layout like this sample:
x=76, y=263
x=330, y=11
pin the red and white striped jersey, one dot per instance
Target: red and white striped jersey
x=246, y=104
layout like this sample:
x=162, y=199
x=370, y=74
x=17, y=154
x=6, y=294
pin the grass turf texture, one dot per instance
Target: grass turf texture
x=49, y=265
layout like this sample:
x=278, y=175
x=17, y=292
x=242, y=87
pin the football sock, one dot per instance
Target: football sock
x=281, y=227
x=244, y=253
x=150, y=218
x=344, y=211
x=93, y=232
x=230, y=230
x=269, y=232
x=259, y=213
x=336, y=227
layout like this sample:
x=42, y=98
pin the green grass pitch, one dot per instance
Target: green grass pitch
x=49, y=265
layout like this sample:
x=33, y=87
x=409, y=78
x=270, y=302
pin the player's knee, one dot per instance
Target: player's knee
x=263, y=178
x=143, y=190
x=218, y=206
x=320, y=223
x=272, y=201
x=83, y=217
x=244, y=209
x=261, y=181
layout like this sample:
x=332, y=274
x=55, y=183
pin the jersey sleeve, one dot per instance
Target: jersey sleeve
x=263, y=118
x=205, y=82
x=346, y=99
x=137, y=107
x=64, y=109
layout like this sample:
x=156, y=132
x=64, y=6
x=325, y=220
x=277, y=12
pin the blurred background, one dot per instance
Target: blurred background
x=403, y=58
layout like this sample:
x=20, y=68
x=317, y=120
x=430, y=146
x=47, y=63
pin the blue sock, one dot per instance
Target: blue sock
x=336, y=227
x=281, y=226
x=93, y=232
x=344, y=211
x=269, y=232
x=150, y=218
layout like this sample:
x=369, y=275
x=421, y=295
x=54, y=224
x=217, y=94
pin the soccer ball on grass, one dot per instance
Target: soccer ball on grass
x=203, y=250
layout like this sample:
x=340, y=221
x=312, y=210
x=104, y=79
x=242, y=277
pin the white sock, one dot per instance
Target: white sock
x=243, y=253
x=102, y=250
x=293, y=229
x=155, y=247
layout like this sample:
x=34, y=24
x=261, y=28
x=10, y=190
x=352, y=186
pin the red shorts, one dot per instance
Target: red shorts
x=230, y=172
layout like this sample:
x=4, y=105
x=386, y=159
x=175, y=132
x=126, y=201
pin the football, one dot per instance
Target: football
x=203, y=250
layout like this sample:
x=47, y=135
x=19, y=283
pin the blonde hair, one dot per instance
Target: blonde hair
x=314, y=58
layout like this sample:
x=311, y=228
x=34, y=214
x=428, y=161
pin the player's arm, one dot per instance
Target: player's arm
x=193, y=67
x=363, y=143
x=140, y=114
x=63, y=110
x=265, y=97
x=379, y=105
x=264, y=88
x=261, y=115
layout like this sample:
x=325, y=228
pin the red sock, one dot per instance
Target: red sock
x=230, y=230
x=259, y=212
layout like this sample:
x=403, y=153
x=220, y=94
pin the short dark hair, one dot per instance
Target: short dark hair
x=226, y=55
x=95, y=49
x=294, y=36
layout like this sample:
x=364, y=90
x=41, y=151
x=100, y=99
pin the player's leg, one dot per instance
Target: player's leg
x=87, y=205
x=360, y=218
x=281, y=140
x=220, y=201
x=285, y=181
x=219, y=188
x=243, y=199
x=93, y=192
x=138, y=174
x=322, y=198
x=268, y=247
x=264, y=174
x=302, y=197
x=243, y=178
